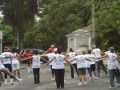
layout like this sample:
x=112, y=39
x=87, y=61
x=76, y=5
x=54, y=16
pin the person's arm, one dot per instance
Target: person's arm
x=41, y=58
x=104, y=57
x=27, y=58
x=72, y=60
x=49, y=61
x=68, y=62
x=89, y=59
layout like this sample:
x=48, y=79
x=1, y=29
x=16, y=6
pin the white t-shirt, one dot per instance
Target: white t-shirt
x=7, y=60
x=58, y=62
x=91, y=56
x=71, y=55
x=50, y=56
x=112, y=61
x=14, y=60
x=81, y=61
x=96, y=52
x=36, y=61
x=1, y=59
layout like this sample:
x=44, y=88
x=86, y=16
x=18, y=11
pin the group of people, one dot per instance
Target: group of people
x=92, y=60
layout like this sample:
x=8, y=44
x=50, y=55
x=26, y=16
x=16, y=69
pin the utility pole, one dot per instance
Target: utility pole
x=93, y=22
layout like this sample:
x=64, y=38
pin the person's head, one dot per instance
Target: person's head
x=14, y=50
x=59, y=50
x=112, y=50
x=83, y=52
x=94, y=46
x=89, y=51
x=36, y=52
x=71, y=50
x=52, y=46
x=6, y=48
x=27, y=50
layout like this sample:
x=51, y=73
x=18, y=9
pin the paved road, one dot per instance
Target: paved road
x=47, y=84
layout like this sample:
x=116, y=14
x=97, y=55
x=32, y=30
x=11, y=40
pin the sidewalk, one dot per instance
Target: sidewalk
x=47, y=84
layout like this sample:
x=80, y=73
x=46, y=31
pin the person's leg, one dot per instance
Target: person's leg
x=84, y=75
x=80, y=76
x=75, y=65
x=97, y=68
x=28, y=64
x=10, y=69
x=52, y=72
x=72, y=71
x=34, y=73
x=116, y=73
x=62, y=78
x=111, y=76
x=18, y=69
x=89, y=71
x=5, y=70
x=38, y=75
x=57, y=78
x=103, y=66
x=93, y=70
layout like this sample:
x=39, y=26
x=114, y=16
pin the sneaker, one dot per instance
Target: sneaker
x=53, y=79
x=95, y=78
x=111, y=86
x=80, y=84
x=19, y=80
x=85, y=83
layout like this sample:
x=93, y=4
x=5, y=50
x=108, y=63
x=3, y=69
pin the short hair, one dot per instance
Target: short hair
x=89, y=51
x=94, y=46
x=112, y=49
x=36, y=52
x=59, y=50
x=71, y=50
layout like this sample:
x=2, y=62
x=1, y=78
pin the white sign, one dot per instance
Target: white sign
x=0, y=42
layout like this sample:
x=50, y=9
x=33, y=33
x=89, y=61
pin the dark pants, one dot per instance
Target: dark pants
x=59, y=77
x=114, y=73
x=9, y=67
x=52, y=70
x=36, y=75
x=72, y=70
x=100, y=64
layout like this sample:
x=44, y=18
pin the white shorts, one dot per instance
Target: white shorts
x=16, y=66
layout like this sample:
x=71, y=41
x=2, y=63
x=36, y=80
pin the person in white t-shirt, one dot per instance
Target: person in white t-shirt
x=91, y=65
x=5, y=70
x=8, y=64
x=112, y=66
x=59, y=67
x=97, y=53
x=71, y=55
x=36, y=64
x=16, y=63
x=50, y=54
x=81, y=66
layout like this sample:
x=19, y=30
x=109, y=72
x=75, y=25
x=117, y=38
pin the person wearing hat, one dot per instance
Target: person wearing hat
x=7, y=62
x=112, y=66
